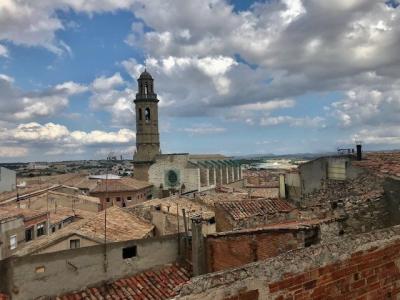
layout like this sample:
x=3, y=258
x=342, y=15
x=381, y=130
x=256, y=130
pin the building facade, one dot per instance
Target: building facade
x=179, y=172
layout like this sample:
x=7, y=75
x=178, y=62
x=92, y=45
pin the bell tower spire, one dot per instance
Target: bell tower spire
x=147, y=135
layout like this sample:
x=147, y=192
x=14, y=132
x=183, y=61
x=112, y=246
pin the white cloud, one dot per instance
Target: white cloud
x=7, y=152
x=35, y=23
x=381, y=135
x=103, y=83
x=202, y=129
x=50, y=132
x=268, y=106
x=56, y=139
x=317, y=122
x=3, y=51
x=365, y=105
x=118, y=102
x=71, y=88
x=17, y=105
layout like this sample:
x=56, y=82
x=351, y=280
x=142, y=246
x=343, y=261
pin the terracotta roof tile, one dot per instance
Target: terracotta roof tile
x=153, y=285
x=382, y=163
x=122, y=225
x=257, y=207
x=4, y=297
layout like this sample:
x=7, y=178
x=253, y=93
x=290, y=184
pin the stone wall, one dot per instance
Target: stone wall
x=188, y=176
x=365, y=203
x=362, y=267
x=226, y=223
x=51, y=274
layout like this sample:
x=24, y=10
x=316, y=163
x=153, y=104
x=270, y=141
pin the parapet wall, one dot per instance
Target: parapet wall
x=56, y=273
x=232, y=249
x=352, y=267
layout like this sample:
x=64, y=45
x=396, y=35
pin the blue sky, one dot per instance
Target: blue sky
x=234, y=77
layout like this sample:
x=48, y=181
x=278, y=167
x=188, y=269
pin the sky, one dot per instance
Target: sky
x=233, y=77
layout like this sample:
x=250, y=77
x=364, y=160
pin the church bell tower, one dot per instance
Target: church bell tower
x=147, y=135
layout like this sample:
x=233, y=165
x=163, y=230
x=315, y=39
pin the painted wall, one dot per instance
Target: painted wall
x=7, y=180
x=56, y=273
x=8, y=228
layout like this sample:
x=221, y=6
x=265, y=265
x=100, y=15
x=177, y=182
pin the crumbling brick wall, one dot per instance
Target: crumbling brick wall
x=236, y=249
x=362, y=267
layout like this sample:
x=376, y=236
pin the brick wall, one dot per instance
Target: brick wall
x=366, y=266
x=372, y=274
x=234, y=249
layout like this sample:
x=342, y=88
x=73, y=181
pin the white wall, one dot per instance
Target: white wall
x=7, y=180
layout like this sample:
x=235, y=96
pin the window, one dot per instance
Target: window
x=28, y=234
x=73, y=244
x=129, y=252
x=147, y=114
x=118, y=198
x=108, y=199
x=40, y=269
x=53, y=229
x=129, y=198
x=140, y=114
x=13, y=242
x=59, y=226
x=40, y=230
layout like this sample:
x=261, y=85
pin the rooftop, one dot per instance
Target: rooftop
x=207, y=156
x=121, y=226
x=153, y=284
x=239, y=210
x=120, y=185
x=382, y=163
x=7, y=212
x=175, y=204
x=211, y=199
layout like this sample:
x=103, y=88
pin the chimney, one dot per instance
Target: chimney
x=359, y=151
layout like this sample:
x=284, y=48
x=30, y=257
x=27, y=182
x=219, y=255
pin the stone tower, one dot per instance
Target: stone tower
x=147, y=136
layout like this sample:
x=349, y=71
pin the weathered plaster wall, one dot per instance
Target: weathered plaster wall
x=75, y=269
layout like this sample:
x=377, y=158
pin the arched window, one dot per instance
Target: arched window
x=140, y=114
x=145, y=89
x=147, y=114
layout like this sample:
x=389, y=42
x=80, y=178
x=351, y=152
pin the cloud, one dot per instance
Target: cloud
x=317, y=122
x=381, y=135
x=17, y=105
x=366, y=105
x=111, y=94
x=11, y=152
x=35, y=23
x=268, y=106
x=3, y=51
x=56, y=139
x=71, y=88
x=50, y=132
x=203, y=129
x=103, y=83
